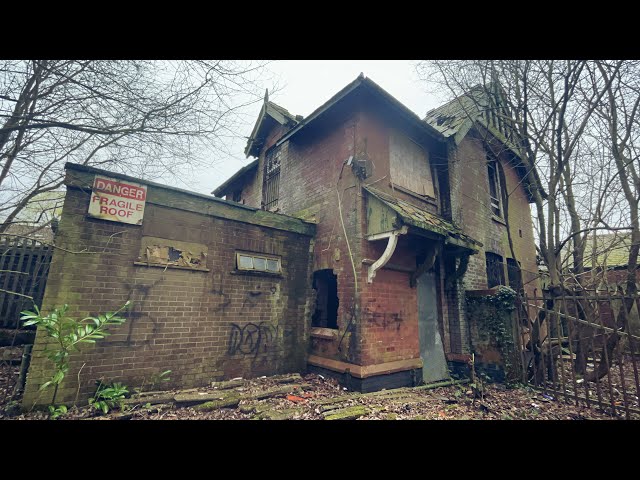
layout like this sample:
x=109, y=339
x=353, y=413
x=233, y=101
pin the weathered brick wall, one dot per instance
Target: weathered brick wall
x=202, y=325
x=390, y=309
x=469, y=175
x=311, y=170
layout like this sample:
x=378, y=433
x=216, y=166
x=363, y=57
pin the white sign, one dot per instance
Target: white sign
x=117, y=201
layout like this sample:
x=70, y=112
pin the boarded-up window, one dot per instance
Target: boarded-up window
x=410, y=167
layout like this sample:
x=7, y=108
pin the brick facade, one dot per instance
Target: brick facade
x=202, y=325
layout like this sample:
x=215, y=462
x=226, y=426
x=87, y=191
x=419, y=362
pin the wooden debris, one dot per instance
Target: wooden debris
x=231, y=401
x=161, y=397
x=200, y=397
x=289, y=378
x=228, y=384
x=350, y=413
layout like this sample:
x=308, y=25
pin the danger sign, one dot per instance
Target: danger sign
x=117, y=201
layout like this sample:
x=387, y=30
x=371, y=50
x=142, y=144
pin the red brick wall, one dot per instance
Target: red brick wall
x=204, y=326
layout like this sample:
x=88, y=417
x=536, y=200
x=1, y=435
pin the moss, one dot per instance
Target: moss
x=230, y=401
x=350, y=413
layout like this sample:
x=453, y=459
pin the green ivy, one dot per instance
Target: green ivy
x=493, y=316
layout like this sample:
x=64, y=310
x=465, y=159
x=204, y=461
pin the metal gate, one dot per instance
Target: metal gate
x=583, y=347
x=24, y=265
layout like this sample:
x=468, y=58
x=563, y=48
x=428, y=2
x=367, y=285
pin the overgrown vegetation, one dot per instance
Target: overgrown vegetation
x=492, y=314
x=65, y=333
x=108, y=396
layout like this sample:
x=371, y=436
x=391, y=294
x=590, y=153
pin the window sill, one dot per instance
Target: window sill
x=426, y=198
x=497, y=219
x=168, y=265
x=253, y=273
x=324, y=333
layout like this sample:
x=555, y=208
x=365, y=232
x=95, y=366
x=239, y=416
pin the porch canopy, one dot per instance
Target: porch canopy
x=389, y=217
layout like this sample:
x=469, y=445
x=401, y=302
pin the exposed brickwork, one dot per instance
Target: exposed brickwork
x=378, y=323
x=203, y=326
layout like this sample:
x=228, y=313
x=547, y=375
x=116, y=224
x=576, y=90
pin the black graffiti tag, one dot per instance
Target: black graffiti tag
x=251, y=339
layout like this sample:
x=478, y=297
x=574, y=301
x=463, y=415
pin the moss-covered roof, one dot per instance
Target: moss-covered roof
x=612, y=250
x=451, y=117
x=423, y=219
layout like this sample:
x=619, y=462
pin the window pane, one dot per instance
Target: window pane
x=259, y=263
x=245, y=262
x=273, y=265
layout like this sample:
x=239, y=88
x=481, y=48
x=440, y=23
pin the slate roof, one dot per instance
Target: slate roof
x=449, y=118
x=222, y=189
x=420, y=218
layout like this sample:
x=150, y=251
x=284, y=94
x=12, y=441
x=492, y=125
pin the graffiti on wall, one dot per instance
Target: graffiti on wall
x=251, y=338
x=385, y=320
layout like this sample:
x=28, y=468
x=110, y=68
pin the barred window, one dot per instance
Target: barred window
x=495, y=270
x=271, y=183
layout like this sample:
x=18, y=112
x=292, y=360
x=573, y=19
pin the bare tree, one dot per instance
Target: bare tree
x=145, y=118
x=557, y=110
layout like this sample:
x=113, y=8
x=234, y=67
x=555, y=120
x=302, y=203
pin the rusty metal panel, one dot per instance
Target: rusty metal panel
x=117, y=201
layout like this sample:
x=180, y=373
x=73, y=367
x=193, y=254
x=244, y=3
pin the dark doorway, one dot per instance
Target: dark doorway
x=325, y=282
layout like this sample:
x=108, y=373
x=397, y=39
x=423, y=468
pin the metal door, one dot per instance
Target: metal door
x=431, y=349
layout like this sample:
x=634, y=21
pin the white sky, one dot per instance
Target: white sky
x=307, y=84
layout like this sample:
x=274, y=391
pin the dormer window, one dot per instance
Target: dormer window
x=271, y=183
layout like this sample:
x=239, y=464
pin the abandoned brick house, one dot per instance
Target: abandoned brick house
x=344, y=248
x=409, y=214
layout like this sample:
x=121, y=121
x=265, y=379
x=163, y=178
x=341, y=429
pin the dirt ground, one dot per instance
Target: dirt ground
x=313, y=397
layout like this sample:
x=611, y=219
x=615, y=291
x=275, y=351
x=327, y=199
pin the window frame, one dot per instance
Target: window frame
x=271, y=178
x=495, y=202
x=399, y=175
x=263, y=256
x=497, y=260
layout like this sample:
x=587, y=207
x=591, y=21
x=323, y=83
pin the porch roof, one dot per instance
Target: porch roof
x=424, y=220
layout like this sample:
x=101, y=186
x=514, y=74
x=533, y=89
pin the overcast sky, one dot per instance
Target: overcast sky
x=307, y=84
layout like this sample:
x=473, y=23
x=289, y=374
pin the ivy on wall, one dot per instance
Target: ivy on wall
x=492, y=316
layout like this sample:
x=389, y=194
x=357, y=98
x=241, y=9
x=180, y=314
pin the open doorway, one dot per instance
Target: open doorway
x=325, y=282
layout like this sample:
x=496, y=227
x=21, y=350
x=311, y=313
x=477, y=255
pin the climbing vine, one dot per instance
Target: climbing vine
x=492, y=315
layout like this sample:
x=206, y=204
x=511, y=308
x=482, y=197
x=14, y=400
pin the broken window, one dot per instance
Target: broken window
x=494, y=186
x=258, y=263
x=271, y=183
x=514, y=273
x=325, y=282
x=495, y=270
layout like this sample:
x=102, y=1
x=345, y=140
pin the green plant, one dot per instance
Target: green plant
x=67, y=333
x=493, y=316
x=159, y=378
x=155, y=379
x=55, y=412
x=108, y=396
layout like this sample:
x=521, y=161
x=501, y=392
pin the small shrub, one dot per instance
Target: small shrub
x=108, y=396
x=67, y=333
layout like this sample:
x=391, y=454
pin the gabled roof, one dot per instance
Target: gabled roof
x=269, y=112
x=612, y=250
x=425, y=220
x=455, y=118
x=362, y=83
x=246, y=170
